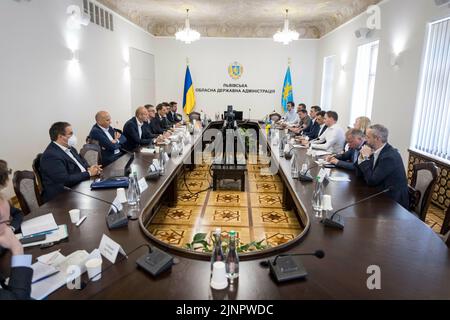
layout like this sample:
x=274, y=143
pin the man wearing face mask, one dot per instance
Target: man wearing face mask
x=61, y=165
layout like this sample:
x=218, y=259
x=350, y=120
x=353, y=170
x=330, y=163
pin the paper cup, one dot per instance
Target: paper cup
x=219, y=279
x=94, y=269
x=74, y=215
x=326, y=203
x=121, y=195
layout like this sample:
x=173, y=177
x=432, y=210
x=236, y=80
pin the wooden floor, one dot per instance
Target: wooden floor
x=255, y=214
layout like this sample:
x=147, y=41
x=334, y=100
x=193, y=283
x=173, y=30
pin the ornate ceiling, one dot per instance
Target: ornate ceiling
x=234, y=18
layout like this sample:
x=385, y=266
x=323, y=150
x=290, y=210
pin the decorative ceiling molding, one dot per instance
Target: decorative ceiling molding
x=312, y=19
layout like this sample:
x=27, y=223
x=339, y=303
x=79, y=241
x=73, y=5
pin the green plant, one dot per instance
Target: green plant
x=199, y=241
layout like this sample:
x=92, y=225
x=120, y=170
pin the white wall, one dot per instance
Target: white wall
x=264, y=62
x=38, y=86
x=403, y=25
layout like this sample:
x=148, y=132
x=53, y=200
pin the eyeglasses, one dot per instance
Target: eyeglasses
x=7, y=222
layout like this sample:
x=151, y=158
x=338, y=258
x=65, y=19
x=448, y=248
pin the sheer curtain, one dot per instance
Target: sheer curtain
x=432, y=117
x=327, y=83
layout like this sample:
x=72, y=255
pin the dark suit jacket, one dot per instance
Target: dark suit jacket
x=131, y=132
x=347, y=159
x=312, y=131
x=174, y=118
x=59, y=170
x=159, y=125
x=17, y=218
x=148, y=128
x=388, y=172
x=108, y=148
x=19, y=286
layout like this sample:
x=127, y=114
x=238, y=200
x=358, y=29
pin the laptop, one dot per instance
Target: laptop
x=125, y=172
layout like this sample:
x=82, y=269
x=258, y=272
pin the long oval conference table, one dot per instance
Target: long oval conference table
x=414, y=262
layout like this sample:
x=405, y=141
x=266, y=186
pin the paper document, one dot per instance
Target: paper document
x=54, y=236
x=42, y=271
x=41, y=224
x=339, y=179
x=147, y=150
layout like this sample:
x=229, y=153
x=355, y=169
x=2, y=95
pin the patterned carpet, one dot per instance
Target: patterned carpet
x=255, y=214
x=435, y=218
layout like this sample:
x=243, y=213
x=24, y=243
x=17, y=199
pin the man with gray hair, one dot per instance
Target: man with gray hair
x=356, y=140
x=381, y=165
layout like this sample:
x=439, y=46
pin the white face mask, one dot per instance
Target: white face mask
x=72, y=142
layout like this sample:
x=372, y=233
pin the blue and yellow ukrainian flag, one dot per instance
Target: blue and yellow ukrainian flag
x=286, y=94
x=188, y=94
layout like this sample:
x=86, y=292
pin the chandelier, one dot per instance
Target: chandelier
x=286, y=35
x=187, y=35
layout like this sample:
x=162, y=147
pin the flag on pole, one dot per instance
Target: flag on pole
x=188, y=94
x=286, y=94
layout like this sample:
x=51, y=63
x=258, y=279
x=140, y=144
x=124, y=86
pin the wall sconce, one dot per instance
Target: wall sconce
x=76, y=17
x=394, y=61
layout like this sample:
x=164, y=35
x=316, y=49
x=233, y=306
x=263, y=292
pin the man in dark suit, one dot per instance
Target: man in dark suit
x=348, y=160
x=135, y=130
x=15, y=214
x=159, y=125
x=61, y=165
x=21, y=274
x=109, y=139
x=381, y=165
x=317, y=128
x=173, y=116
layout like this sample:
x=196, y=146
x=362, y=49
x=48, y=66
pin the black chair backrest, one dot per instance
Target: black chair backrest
x=37, y=172
x=27, y=192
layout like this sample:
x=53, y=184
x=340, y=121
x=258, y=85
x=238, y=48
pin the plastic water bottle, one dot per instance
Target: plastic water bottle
x=232, y=260
x=317, y=196
x=162, y=163
x=136, y=185
x=217, y=253
x=131, y=192
x=294, y=167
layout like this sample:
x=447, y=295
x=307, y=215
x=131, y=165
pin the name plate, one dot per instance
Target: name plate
x=110, y=249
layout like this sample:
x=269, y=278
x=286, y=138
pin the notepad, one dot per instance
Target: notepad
x=39, y=225
x=339, y=179
x=53, y=236
x=147, y=150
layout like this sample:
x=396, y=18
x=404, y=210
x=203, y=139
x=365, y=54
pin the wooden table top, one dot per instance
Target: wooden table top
x=414, y=262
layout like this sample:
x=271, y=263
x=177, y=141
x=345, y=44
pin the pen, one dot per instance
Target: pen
x=81, y=221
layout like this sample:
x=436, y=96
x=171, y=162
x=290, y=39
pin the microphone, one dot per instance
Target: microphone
x=286, y=267
x=306, y=177
x=337, y=222
x=152, y=172
x=114, y=219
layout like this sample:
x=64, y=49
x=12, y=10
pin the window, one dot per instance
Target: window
x=432, y=118
x=364, y=85
x=327, y=83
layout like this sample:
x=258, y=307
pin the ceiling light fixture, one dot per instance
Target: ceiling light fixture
x=285, y=36
x=187, y=35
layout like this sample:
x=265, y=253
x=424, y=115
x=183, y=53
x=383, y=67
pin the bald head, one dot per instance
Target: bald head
x=142, y=114
x=103, y=119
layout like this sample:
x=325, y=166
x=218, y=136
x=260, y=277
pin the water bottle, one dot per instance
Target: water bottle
x=136, y=185
x=294, y=167
x=131, y=192
x=217, y=253
x=232, y=260
x=317, y=196
x=162, y=163
x=282, y=143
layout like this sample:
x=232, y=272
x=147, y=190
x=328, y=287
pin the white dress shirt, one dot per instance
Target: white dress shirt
x=376, y=154
x=67, y=151
x=139, y=124
x=106, y=131
x=291, y=117
x=332, y=140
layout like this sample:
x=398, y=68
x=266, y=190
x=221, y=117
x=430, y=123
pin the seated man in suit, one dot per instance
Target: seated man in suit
x=291, y=116
x=312, y=114
x=135, y=132
x=173, y=116
x=109, y=139
x=349, y=159
x=381, y=165
x=61, y=165
x=333, y=138
x=15, y=214
x=317, y=129
x=158, y=125
x=21, y=274
x=304, y=122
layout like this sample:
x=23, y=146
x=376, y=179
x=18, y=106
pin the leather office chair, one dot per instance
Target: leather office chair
x=422, y=183
x=92, y=153
x=37, y=172
x=27, y=192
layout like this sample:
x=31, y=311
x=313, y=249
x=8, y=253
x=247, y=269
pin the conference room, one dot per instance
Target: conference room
x=239, y=151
